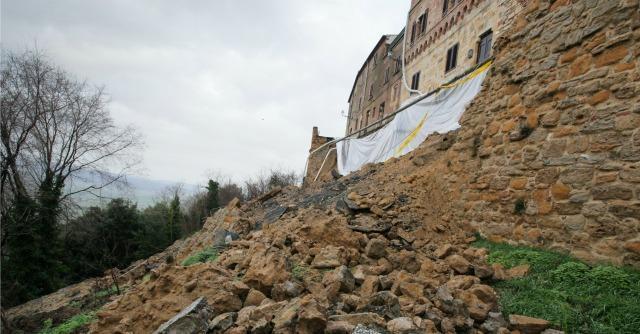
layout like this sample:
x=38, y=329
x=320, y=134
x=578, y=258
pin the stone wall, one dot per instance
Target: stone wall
x=551, y=146
x=314, y=162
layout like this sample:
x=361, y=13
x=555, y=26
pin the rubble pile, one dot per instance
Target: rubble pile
x=347, y=257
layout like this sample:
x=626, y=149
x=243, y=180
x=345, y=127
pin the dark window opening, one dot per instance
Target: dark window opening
x=422, y=22
x=484, y=46
x=445, y=7
x=366, y=122
x=398, y=66
x=413, y=33
x=371, y=93
x=452, y=58
x=381, y=111
x=386, y=75
x=415, y=81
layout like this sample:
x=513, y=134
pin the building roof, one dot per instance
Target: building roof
x=391, y=40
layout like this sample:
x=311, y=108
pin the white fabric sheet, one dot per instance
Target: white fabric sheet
x=439, y=113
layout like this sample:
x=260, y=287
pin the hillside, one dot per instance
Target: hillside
x=548, y=155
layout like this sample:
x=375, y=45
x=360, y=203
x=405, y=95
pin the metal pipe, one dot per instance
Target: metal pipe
x=404, y=45
x=323, y=162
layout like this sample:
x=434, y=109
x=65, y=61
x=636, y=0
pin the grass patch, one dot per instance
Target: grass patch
x=299, y=271
x=573, y=295
x=206, y=255
x=69, y=326
x=107, y=292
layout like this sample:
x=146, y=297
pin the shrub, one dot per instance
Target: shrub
x=207, y=255
x=107, y=292
x=572, y=272
x=267, y=181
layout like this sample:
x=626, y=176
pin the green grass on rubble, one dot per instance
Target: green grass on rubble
x=571, y=294
x=206, y=255
x=69, y=326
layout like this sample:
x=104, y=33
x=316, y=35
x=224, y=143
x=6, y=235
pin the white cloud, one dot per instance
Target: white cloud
x=231, y=86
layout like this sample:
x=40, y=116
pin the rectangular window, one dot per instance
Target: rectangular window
x=445, y=7
x=381, y=111
x=415, y=81
x=371, y=92
x=484, y=46
x=452, y=58
x=386, y=75
x=422, y=22
x=398, y=66
x=366, y=122
x=413, y=33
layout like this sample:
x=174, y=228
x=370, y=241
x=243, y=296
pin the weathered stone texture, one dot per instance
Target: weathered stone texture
x=570, y=72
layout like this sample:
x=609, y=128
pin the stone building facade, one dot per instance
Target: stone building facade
x=445, y=39
x=376, y=89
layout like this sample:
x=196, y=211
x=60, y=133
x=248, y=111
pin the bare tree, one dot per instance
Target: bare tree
x=56, y=130
x=266, y=181
x=58, y=140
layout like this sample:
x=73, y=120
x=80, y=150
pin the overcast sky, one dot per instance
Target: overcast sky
x=229, y=86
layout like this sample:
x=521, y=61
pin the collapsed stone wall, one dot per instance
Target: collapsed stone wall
x=315, y=161
x=551, y=146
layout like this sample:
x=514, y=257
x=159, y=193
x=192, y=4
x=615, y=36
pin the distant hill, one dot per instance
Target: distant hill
x=138, y=189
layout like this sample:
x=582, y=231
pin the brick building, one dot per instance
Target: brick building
x=445, y=38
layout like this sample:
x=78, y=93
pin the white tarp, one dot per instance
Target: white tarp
x=439, y=112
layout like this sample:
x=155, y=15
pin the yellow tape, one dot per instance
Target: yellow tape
x=417, y=129
x=412, y=135
x=469, y=76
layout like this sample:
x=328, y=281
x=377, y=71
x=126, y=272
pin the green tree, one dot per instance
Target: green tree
x=175, y=218
x=153, y=237
x=118, y=236
x=102, y=238
x=212, y=196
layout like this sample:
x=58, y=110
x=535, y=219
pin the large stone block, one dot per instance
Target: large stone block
x=625, y=209
x=613, y=191
x=611, y=56
x=576, y=175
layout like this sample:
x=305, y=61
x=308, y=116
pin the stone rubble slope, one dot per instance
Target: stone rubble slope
x=360, y=254
x=387, y=249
